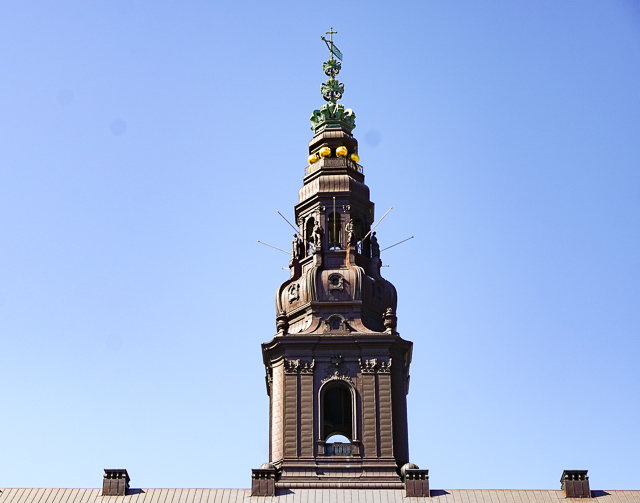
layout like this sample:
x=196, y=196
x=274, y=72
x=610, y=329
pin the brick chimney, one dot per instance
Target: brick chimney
x=115, y=482
x=575, y=484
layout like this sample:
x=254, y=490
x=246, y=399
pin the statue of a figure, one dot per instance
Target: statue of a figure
x=351, y=237
x=295, y=253
x=317, y=234
x=299, y=247
x=375, y=247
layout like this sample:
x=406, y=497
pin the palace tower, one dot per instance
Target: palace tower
x=337, y=369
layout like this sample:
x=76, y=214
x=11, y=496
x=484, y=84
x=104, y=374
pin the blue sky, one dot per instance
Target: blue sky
x=146, y=146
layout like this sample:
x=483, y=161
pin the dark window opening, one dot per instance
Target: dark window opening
x=336, y=412
x=335, y=231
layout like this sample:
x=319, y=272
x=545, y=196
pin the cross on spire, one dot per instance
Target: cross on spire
x=331, y=33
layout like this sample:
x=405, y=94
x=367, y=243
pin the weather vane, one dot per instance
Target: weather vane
x=332, y=90
x=333, y=50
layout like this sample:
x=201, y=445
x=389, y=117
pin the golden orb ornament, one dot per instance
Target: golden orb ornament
x=325, y=152
x=355, y=158
x=313, y=158
x=341, y=151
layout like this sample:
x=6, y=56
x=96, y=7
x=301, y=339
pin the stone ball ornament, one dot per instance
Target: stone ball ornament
x=408, y=466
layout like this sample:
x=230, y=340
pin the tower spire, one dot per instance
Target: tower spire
x=337, y=369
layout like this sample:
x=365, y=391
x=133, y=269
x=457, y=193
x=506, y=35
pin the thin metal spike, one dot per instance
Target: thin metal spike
x=271, y=246
x=288, y=222
x=398, y=243
x=376, y=225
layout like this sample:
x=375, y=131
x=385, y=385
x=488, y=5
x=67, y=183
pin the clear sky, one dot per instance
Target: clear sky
x=146, y=146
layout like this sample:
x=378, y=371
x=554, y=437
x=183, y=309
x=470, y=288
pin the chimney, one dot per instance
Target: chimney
x=115, y=482
x=263, y=480
x=575, y=484
x=416, y=481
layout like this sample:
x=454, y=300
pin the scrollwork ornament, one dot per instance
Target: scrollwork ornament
x=334, y=374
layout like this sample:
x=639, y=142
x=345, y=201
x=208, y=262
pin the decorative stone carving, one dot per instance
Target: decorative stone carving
x=268, y=379
x=368, y=366
x=282, y=323
x=346, y=207
x=375, y=247
x=293, y=292
x=336, y=282
x=350, y=228
x=291, y=366
x=337, y=324
x=336, y=375
x=337, y=370
x=297, y=246
x=385, y=367
x=298, y=365
x=307, y=367
x=373, y=365
x=390, y=320
x=317, y=234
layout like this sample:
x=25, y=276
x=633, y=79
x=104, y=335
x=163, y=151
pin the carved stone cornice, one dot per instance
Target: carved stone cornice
x=375, y=365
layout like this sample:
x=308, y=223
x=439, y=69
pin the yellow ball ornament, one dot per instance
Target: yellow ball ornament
x=313, y=158
x=355, y=158
x=341, y=151
x=325, y=152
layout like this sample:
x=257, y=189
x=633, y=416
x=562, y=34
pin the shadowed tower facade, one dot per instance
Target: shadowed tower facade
x=337, y=370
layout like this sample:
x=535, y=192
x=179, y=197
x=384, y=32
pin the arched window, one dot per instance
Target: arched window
x=335, y=231
x=337, y=413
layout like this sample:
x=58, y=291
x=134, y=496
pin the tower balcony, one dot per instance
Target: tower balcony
x=333, y=162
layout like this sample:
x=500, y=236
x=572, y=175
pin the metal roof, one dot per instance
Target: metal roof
x=303, y=496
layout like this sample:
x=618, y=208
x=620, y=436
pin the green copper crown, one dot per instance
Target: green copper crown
x=333, y=114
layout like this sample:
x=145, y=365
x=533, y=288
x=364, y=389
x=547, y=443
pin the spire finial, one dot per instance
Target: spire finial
x=332, y=113
x=332, y=90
